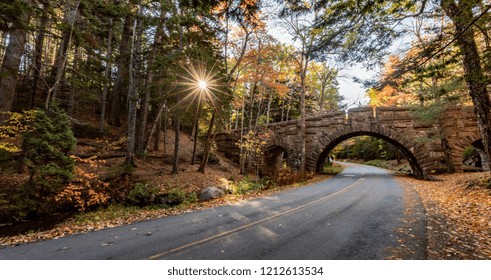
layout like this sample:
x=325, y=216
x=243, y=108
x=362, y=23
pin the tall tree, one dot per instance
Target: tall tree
x=132, y=88
x=146, y=100
x=71, y=11
x=462, y=16
x=302, y=27
x=322, y=81
x=38, y=52
x=11, y=60
x=118, y=97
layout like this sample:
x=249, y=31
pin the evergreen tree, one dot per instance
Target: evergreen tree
x=45, y=151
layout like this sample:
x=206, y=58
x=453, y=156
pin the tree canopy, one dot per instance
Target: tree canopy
x=129, y=64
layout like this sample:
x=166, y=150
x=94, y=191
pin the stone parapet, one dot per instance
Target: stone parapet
x=419, y=141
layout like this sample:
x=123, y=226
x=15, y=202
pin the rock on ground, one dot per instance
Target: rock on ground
x=210, y=193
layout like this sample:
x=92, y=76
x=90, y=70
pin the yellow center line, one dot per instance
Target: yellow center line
x=225, y=233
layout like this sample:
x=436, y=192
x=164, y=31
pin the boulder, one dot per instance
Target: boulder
x=210, y=193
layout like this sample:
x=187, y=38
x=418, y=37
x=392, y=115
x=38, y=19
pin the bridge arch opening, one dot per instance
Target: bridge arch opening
x=413, y=162
x=474, y=158
x=275, y=158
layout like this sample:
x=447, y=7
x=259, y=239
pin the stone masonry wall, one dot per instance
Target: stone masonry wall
x=420, y=141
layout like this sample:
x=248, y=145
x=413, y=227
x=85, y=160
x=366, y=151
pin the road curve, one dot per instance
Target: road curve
x=351, y=216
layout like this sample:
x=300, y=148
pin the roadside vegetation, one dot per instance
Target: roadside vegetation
x=149, y=200
x=58, y=180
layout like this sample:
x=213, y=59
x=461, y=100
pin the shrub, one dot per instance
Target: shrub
x=9, y=210
x=142, y=194
x=84, y=192
x=180, y=197
x=14, y=126
x=246, y=185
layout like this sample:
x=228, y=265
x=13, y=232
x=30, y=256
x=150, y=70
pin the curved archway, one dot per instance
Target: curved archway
x=415, y=166
x=474, y=140
x=475, y=158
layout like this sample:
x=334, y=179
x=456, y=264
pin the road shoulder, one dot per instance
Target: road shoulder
x=458, y=213
x=411, y=234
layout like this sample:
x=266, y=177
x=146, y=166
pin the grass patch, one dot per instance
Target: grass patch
x=247, y=185
x=333, y=169
x=399, y=169
x=110, y=213
x=378, y=163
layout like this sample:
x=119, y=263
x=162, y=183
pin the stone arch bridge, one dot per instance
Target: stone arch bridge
x=421, y=142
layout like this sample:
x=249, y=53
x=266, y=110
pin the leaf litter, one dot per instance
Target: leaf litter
x=458, y=213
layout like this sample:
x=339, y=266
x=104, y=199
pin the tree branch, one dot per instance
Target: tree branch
x=449, y=43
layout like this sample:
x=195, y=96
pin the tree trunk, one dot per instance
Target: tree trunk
x=196, y=132
x=132, y=99
x=177, y=115
x=73, y=91
x=58, y=70
x=321, y=101
x=268, y=111
x=140, y=141
x=283, y=109
x=121, y=83
x=251, y=110
x=177, y=127
x=107, y=77
x=38, y=55
x=259, y=110
x=10, y=65
x=461, y=15
x=210, y=137
x=303, y=91
x=156, y=143
x=164, y=128
x=241, y=149
x=155, y=128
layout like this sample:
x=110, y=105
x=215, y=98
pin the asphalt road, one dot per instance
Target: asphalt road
x=351, y=216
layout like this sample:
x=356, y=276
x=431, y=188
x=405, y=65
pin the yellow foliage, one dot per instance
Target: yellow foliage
x=253, y=144
x=15, y=125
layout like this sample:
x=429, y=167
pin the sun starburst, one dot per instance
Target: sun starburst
x=203, y=85
x=200, y=85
